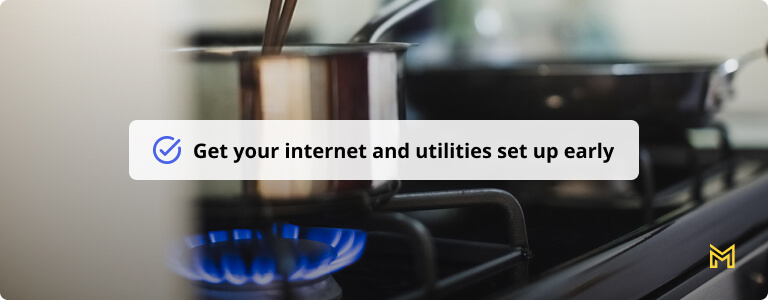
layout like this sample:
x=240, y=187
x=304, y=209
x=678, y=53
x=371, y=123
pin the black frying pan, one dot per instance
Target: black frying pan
x=659, y=95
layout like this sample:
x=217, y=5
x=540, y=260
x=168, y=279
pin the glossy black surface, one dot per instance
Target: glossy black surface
x=578, y=252
x=658, y=101
x=657, y=259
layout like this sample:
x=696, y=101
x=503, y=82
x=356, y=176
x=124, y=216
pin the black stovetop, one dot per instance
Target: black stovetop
x=561, y=236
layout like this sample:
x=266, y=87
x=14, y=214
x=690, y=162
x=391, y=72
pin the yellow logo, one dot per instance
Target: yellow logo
x=729, y=256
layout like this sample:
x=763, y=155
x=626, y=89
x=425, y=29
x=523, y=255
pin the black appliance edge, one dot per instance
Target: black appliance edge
x=649, y=263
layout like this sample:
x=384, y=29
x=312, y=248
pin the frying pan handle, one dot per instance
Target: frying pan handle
x=387, y=17
x=721, y=81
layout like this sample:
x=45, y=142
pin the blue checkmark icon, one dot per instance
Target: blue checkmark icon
x=166, y=152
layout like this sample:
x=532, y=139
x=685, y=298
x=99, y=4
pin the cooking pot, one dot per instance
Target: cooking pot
x=320, y=82
x=362, y=80
x=664, y=97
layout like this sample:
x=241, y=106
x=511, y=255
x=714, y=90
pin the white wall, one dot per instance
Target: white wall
x=720, y=28
x=329, y=21
x=73, y=225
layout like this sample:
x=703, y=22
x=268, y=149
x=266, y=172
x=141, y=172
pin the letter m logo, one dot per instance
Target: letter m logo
x=729, y=256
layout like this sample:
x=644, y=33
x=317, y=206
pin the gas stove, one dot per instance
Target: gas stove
x=647, y=238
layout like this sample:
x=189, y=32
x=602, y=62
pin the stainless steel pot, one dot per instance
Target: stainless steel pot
x=320, y=82
x=358, y=81
x=317, y=82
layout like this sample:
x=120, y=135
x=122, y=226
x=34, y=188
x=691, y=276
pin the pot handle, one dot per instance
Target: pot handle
x=387, y=17
x=721, y=80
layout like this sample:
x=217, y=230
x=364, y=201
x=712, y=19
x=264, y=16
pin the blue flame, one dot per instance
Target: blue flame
x=242, y=256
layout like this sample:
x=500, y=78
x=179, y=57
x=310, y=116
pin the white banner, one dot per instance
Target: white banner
x=383, y=150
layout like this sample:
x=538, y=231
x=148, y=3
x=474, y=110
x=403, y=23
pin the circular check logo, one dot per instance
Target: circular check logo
x=164, y=153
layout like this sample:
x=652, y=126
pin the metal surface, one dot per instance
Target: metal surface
x=317, y=82
x=387, y=17
x=516, y=232
x=663, y=96
x=383, y=214
x=422, y=244
x=647, y=190
x=606, y=67
x=324, y=288
x=658, y=255
x=223, y=213
x=721, y=83
x=297, y=50
x=662, y=103
x=746, y=281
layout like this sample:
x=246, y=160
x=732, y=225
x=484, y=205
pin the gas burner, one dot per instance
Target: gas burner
x=258, y=258
x=325, y=288
x=267, y=260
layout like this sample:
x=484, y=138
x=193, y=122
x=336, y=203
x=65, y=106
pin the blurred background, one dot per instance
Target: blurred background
x=508, y=30
x=74, y=74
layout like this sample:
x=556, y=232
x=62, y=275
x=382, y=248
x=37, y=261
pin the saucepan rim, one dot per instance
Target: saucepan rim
x=577, y=67
x=299, y=50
